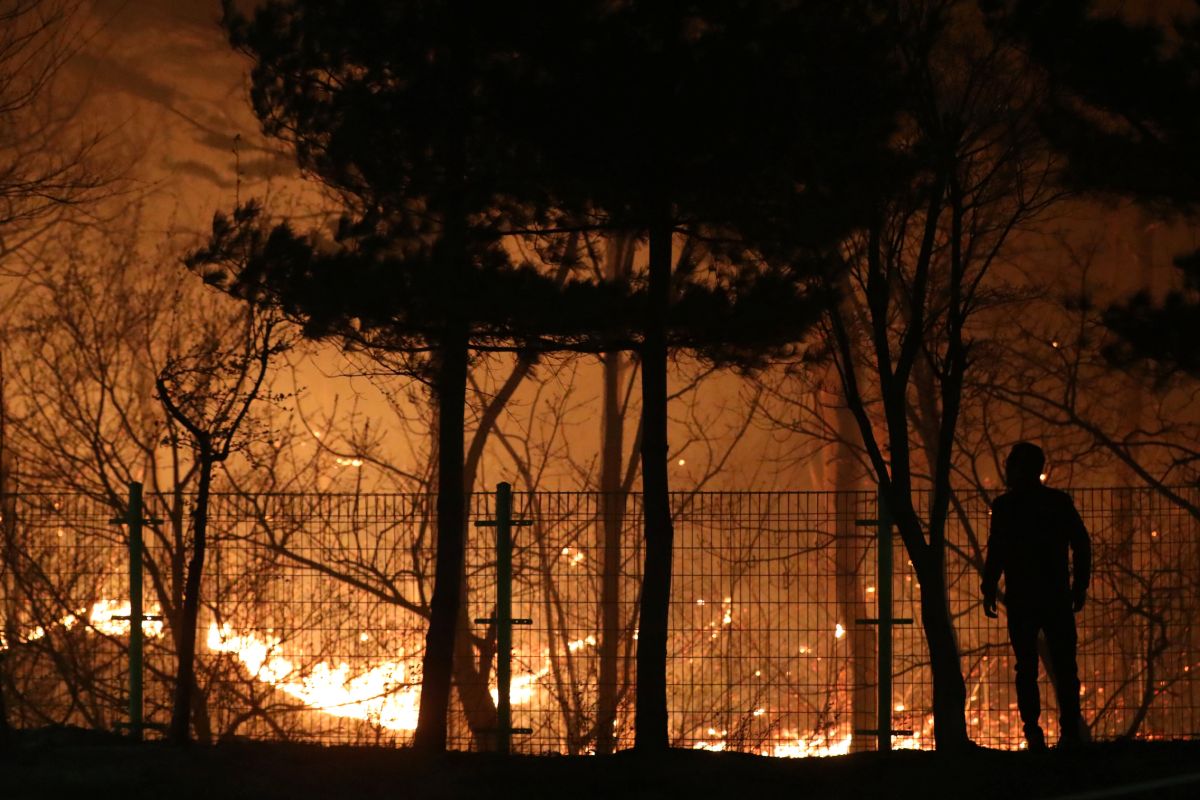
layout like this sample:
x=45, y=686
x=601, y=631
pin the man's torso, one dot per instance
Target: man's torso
x=1036, y=524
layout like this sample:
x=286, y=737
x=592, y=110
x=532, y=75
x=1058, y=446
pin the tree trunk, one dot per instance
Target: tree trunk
x=201, y=722
x=613, y=517
x=614, y=491
x=650, y=724
x=471, y=673
x=5, y=731
x=450, y=387
x=185, y=675
x=471, y=669
x=949, y=688
x=8, y=530
x=851, y=598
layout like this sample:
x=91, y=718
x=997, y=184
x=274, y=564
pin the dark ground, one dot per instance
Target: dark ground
x=79, y=765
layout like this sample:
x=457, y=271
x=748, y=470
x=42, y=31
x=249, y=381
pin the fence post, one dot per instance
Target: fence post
x=504, y=632
x=136, y=612
x=504, y=621
x=883, y=591
x=885, y=622
x=134, y=518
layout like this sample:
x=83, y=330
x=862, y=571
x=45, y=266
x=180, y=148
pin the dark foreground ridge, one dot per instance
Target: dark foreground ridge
x=93, y=767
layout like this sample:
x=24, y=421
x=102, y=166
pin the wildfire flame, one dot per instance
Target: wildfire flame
x=522, y=687
x=103, y=617
x=382, y=695
x=385, y=696
x=813, y=745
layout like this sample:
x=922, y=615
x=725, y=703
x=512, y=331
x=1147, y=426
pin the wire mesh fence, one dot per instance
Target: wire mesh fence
x=315, y=609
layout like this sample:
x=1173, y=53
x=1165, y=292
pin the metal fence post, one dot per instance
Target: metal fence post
x=883, y=524
x=136, y=641
x=504, y=619
x=883, y=591
x=504, y=632
x=134, y=518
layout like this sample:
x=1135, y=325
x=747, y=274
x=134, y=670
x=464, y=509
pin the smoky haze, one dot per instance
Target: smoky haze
x=104, y=328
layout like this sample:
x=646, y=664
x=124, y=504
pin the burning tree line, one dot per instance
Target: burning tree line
x=851, y=204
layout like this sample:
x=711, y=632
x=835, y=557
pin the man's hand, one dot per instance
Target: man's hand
x=1078, y=598
x=989, y=604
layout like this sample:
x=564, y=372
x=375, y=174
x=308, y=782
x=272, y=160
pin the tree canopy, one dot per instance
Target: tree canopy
x=756, y=128
x=448, y=133
x=403, y=111
x=1127, y=115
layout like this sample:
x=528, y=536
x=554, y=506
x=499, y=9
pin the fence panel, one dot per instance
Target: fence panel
x=316, y=606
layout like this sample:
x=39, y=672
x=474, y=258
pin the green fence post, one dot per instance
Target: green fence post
x=135, y=519
x=136, y=612
x=504, y=620
x=883, y=593
x=884, y=532
x=504, y=632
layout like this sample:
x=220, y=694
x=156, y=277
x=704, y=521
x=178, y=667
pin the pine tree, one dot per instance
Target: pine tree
x=755, y=129
x=406, y=112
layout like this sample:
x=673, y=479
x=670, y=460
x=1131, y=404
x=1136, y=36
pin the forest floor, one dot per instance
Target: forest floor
x=94, y=767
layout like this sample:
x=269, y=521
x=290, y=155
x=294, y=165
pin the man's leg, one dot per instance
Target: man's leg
x=1061, y=641
x=1022, y=632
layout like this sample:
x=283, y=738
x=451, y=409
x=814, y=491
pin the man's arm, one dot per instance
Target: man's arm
x=994, y=563
x=1081, y=556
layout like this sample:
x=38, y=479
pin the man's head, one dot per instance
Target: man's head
x=1024, y=465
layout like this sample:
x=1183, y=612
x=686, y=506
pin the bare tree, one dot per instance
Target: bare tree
x=1051, y=381
x=208, y=392
x=47, y=167
x=616, y=477
x=920, y=274
x=83, y=419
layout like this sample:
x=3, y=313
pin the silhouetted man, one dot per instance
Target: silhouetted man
x=1033, y=526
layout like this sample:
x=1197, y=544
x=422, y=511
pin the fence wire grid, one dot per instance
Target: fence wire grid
x=315, y=609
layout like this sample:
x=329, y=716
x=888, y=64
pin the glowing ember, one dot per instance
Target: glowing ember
x=716, y=747
x=813, y=746
x=579, y=644
x=817, y=744
x=523, y=687
x=103, y=618
x=576, y=559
